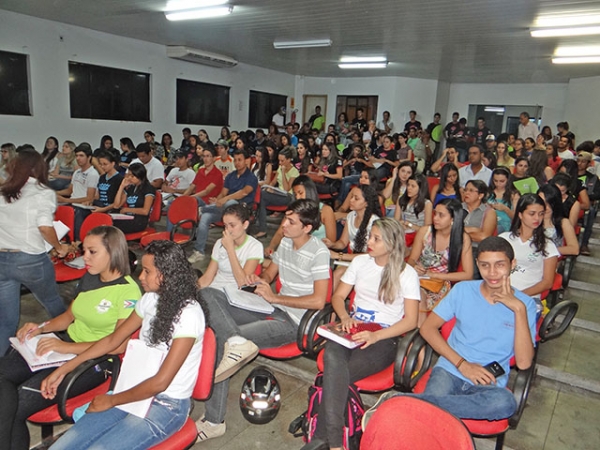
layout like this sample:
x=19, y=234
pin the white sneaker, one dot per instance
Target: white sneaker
x=195, y=257
x=207, y=430
x=234, y=358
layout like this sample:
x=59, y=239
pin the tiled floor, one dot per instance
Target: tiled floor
x=558, y=416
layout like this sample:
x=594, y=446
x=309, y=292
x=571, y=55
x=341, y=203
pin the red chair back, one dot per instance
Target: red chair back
x=92, y=221
x=206, y=371
x=424, y=426
x=156, y=209
x=66, y=214
x=432, y=182
x=184, y=208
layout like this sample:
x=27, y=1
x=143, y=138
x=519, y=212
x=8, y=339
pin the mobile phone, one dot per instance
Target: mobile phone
x=495, y=369
x=249, y=288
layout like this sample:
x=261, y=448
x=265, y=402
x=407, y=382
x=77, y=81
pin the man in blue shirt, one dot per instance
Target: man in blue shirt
x=239, y=187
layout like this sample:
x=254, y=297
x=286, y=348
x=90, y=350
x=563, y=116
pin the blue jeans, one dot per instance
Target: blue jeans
x=270, y=199
x=114, y=428
x=347, y=183
x=264, y=330
x=466, y=400
x=589, y=223
x=210, y=214
x=36, y=272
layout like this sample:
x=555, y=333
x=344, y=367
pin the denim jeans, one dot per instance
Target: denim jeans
x=589, y=223
x=341, y=367
x=270, y=199
x=114, y=428
x=209, y=214
x=466, y=400
x=36, y=272
x=264, y=330
x=18, y=404
x=347, y=183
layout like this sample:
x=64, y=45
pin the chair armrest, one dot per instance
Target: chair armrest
x=548, y=330
x=68, y=382
x=311, y=320
x=404, y=345
x=407, y=380
x=179, y=224
x=520, y=390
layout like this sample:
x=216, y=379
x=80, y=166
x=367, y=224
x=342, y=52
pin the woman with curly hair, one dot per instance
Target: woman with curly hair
x=171, y=319
x=364, y=206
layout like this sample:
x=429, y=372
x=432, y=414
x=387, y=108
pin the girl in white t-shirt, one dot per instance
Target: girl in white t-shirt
x=386, y=292
x=236, y=255
x=536, y=255
x=171, y=319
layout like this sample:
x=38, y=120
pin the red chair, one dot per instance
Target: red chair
x=65, y=273
x=66, y=214
x=432, y=182
x=307, y=341
x=187, y=435
x=155, y=215
x=183, y=213
x=406, y=423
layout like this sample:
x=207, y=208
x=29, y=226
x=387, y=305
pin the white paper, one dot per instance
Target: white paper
x=247, y=300
x=61, y=231
x=76, y=263
x=36, y=362
x=117, y=216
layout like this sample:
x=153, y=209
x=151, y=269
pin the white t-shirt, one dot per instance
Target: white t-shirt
x=352, y=230
x=83, y=180
x=567, y=154
x=365, y=275
x=191, y=324
x=154, y=169
x=180, y=179
x=250, y=249
x=530, y=264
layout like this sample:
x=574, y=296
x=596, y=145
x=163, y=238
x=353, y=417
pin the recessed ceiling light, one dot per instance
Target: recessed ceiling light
x=302, y=44
x=202, y=13
x=363, y=59
x=178, y=5
x=577, y=60
x=372, y=65
x=557, y=32
x=571, y=20
x=589, y=50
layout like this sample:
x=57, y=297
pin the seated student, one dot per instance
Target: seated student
x=577, y=188
x=179, y=179
x=386, y=158
x=480, y=221
x=208, y=182
x=557, y=227
x=368, y=176
x=234, y=256
x=303, y=162
x=170, y=318
x=503, y=197
x=494, y=323
x=414, y=209
x=104, y=298
x=330, y=169
x=239, y=187
x=448, y=156
x=127, y=153
x=224, y=162
x=154, y=168
x=386, y=292
x=302, y=263
x=286, y=174
x=262, y=168
x=134, y=198
x=353, y=165
x=108, y=184
x=66, y=165
x=448, y=186
x=570, y=205
x=395, y=186
x=85, y=179
x=303, y=187
x=438, y=251
x=536, y=256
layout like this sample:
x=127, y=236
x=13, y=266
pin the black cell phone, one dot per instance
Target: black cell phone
x=249, y=288
x=495, y=369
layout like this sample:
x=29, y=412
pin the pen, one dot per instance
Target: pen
x=27, y=388
x=41, y=325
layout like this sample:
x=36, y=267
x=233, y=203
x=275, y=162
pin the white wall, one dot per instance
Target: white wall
x=41, y=39
x=551, y=96
x=582, y=108
x=397, y=95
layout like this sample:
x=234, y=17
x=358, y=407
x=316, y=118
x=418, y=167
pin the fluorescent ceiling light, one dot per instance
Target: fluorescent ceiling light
x=372, y=65
x=202, y=13
x=178, y=5
x=588, y=50
x=557, y=32
x=562, y=21
x=577, y=60
x=302, y=44
x=363, y=59
x=496, y=109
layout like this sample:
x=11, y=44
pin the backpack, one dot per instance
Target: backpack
x=306, y=424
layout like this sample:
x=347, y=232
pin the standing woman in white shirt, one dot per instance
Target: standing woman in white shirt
x=27, y=207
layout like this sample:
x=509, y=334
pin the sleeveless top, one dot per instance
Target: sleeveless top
x=552, y=235
x=439, y=196
x=432, y=260
x=409, y=215
x=503, y=218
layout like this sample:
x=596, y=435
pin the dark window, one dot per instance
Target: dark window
x=14, y=84
x=262, y=108
x=202, y=103
x=98, y=92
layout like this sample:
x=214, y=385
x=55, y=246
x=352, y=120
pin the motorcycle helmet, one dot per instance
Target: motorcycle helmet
x=260, y=399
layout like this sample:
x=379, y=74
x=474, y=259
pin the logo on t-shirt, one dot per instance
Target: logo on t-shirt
x=129, y=304
x=364, y=315
x=103, y=306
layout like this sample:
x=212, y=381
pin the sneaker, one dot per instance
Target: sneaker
x=195, y=257
x=369, y=412
x=207, y=430
x=234, y=358
x=585, y=251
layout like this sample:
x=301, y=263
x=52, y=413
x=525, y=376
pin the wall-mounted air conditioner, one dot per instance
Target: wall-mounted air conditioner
x=200, y=57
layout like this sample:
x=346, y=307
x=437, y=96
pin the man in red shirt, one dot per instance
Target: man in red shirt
x=208, y=181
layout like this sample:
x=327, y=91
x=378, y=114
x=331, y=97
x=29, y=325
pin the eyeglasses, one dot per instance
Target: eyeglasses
x=471, y=190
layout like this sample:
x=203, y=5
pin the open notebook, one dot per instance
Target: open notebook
x=35, y=362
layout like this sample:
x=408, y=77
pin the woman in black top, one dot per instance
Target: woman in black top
x=134, y=198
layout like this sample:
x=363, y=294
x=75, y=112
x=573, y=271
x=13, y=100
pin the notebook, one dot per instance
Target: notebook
x=247, y=300
x=36, y=362
x=333, y=332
